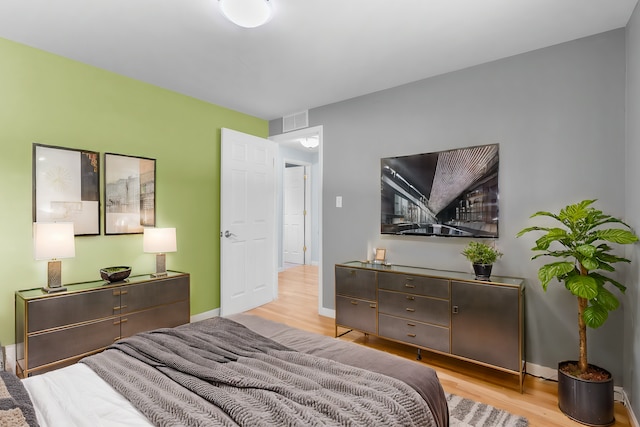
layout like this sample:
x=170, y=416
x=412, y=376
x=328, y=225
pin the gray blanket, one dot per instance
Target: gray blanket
x=217, y=372
x=16, y=409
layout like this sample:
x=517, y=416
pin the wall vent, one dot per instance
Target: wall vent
x=295, y=121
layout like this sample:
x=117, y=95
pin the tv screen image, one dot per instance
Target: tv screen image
x=447, y=193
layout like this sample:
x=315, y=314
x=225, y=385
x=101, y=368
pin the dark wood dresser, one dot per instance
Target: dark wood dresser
x=56, y=330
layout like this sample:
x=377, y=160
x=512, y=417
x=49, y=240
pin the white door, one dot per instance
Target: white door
x=294, y=214
x=247, y=222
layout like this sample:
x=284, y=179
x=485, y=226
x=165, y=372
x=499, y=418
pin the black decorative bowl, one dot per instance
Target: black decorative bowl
x=115, y=274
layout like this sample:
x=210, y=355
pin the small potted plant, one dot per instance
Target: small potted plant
x=482, y=257
x=581, y=242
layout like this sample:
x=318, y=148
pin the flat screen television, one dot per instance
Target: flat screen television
x=451, y=193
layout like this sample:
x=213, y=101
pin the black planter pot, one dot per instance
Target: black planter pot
x=584, y=401
x=483, y=271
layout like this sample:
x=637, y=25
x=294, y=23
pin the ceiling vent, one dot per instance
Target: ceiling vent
x=295, y=121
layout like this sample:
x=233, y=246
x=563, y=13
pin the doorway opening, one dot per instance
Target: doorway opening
x=296, y=156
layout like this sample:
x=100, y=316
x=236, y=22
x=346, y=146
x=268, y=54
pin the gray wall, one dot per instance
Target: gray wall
x=559, y=116
x=631, y=381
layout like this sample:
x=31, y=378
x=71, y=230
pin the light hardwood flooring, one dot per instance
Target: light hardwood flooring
x=297, y=306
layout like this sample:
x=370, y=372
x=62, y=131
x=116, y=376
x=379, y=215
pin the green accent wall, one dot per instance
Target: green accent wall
x=52, y=100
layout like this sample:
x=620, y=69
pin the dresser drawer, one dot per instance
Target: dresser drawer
x=48, y=313
x=356, y=283
x=155, y=293
x=52, y=346
x=422, y=309
x=419, y=285
x=414, y=333
x=356, y=313
x=166, y=316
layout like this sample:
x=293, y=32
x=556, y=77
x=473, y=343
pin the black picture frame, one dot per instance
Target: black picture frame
x=129, y=193
x=66, y=187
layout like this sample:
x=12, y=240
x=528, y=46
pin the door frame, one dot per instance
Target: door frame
x=312, y=131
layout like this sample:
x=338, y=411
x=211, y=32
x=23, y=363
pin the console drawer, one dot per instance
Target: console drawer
x=419, y=285
x=422, y=309
x=414, y=333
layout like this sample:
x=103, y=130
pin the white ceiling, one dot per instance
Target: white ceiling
x=312, y=53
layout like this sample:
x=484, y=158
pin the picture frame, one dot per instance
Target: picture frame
x=129, y=193
x=380, y=256
x=66, y=187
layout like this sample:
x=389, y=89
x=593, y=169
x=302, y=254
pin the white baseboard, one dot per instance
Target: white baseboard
x=10, y=361
x=327, y=312
x=206, y=315
x=627, y=404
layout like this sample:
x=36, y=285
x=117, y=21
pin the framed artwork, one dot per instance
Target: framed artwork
x=66, y=187
x=129, y=194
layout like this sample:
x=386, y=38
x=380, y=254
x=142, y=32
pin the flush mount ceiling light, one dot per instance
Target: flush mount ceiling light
x=246, y=13
x=311, y=142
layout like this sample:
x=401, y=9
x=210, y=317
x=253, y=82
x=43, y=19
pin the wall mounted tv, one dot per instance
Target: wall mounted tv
x=447, y=193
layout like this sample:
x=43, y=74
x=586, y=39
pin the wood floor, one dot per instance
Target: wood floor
x=297, y=306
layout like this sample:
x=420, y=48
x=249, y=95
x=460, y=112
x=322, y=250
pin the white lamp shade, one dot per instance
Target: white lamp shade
x=246, y=13
x=159, y=240
x=53, y=240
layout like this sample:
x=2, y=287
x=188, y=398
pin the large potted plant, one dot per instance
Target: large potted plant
x=482, y=257
x=581, y=242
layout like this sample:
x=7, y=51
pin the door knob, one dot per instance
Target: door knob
x=228, y=234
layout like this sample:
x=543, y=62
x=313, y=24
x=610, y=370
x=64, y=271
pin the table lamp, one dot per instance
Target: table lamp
x=159, y=241
x=52, y=241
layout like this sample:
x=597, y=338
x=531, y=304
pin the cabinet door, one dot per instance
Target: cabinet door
x=485, y=323
x=356, y=313
x=53, y=312
x=356, y=283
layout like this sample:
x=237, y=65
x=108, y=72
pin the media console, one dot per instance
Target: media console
x=446, y=312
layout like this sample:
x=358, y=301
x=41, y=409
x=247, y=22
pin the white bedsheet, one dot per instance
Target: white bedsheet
x=76, y=396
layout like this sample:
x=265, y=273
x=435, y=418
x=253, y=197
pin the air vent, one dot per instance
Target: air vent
x=295, y=121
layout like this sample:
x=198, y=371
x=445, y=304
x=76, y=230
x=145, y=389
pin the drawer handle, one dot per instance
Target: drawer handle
x=411, y=309
x=116, y=293
x=124, y=292
x=411, y=324
x=411, y=335
x=411, y=298
x=372, y=306
x=117, y=322
x=406, y=285
x=354, y=302
x=455, y=309
x=119, y=307
x=409, y=279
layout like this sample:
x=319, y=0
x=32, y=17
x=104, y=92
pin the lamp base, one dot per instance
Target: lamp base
x=161, y=266
x=49, y=290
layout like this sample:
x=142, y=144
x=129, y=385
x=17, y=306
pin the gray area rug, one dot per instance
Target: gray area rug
x=466, y=412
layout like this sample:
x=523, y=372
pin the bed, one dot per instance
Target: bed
x=265, y=373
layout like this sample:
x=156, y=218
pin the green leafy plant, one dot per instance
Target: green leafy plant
x=481, y=253
x=582, y=243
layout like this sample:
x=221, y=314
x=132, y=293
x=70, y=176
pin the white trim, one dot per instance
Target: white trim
x=327, y=312
x=10, y=360
x=632, y=417
x=205, y=315
x=542, y=371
